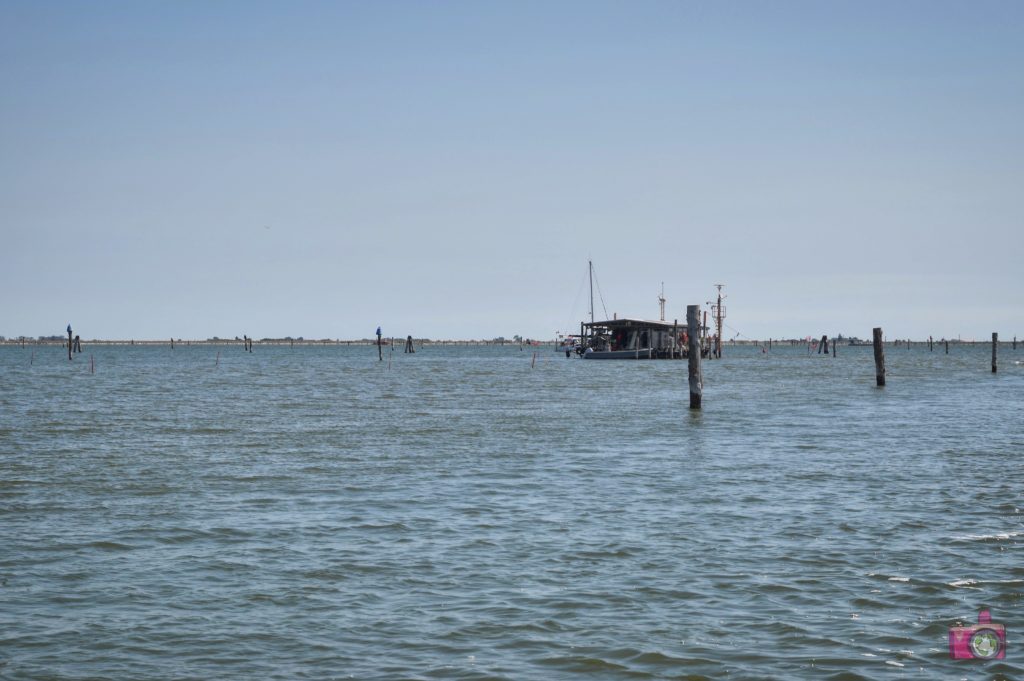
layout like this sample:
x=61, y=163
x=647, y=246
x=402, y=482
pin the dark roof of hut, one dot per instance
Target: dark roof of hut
x=626, y=322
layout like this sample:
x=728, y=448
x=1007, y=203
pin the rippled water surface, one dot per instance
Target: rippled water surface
x=310, y=512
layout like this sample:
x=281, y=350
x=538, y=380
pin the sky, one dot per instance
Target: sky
x=447, y=169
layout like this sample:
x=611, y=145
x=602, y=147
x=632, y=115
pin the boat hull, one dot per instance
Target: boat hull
x=619, y=354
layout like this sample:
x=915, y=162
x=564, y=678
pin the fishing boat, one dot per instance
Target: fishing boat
x=568, y=344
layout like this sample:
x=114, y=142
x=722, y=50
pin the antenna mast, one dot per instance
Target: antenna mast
x=661, y=301
x=718, y=313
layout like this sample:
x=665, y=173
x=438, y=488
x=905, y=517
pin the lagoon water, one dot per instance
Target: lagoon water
x=308, y=512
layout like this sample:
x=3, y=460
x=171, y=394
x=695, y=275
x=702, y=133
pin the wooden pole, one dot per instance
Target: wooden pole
x=931, y=347
x=693, y=329
x=879, y=357
x=835, y=342
x=947, y=347
x=995, y=344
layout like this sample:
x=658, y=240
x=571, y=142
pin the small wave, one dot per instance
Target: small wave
x=891, y=578
x=110, y=546
x=1000, y=536
x=582, y=664
x=974, y=582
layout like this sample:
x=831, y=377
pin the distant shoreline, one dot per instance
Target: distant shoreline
x=274, y=341
x=421, y=342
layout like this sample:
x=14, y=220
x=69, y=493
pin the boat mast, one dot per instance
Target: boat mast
x=590, y=264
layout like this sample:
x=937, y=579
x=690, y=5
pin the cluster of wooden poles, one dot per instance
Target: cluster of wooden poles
x=880, y=354
x=696, y=378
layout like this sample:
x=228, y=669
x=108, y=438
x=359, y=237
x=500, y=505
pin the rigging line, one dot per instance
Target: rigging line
x=600, y=295
x=575, y=304
x=737, y=331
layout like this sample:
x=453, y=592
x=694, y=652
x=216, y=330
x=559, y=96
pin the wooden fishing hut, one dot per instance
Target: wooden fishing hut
x=628, y=338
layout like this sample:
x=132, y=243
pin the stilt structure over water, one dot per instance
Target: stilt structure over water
x=633, y=338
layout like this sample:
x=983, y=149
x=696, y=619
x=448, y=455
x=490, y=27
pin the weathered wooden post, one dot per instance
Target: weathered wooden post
x=693, y=352
x=69, y=342
x=995, y=344
x=835, y=342
x=879, y=357
x=947, y=347
x=172, y=343
x=931, y=347
x=1014, y=342
x=380, y=351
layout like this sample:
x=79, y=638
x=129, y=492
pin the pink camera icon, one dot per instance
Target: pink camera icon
x=981, y=641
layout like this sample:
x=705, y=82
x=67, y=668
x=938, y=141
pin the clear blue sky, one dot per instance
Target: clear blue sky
x=445, y=169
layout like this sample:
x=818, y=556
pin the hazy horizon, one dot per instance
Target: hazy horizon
x=447, y=170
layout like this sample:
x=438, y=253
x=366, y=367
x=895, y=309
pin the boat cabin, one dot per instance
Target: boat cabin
x=634, y=339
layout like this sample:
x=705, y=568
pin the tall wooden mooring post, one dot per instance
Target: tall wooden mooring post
x=693, y=355
x=995, y=344
x=879, y=357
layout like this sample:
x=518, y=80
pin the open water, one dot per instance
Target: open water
x=309, y=512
